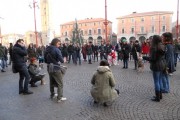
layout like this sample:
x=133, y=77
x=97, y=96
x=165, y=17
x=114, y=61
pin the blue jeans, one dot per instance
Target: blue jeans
x=125, y=61
x=79, y=58
x=89, y=57
x=3, y=63
x=70, y=55
x=175, y=57
x=165, y=83
x=157, y=76
x=23, y=74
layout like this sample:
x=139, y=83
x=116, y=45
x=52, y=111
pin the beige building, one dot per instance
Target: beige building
x=174, y=29
x=46, y=21
x=90, y=29
x=140, y=26
x=10, y=38
x=30, y=37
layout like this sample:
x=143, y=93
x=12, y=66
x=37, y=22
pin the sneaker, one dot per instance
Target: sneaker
x=62, y=99
x=170, y=74
x=53, y=96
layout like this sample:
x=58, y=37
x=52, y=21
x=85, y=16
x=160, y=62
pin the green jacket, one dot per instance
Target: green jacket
x=103, y=85
x=2, y=51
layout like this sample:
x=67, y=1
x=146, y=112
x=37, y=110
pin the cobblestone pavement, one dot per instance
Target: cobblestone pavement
x=136, y=90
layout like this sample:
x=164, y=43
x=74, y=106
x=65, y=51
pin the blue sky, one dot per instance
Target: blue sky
x=18, y=16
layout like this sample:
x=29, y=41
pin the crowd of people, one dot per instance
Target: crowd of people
x=162, y=52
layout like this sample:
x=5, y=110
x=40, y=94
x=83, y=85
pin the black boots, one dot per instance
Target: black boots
x=160, y=95
x=89, y=62
x=157, y=97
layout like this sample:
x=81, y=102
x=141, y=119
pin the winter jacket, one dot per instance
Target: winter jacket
x=89, y=50
x=64, y=51
x=135, y=48
x=2, y=52
x=70, y=49
x=103, y=85
x=18, y=55
x=169, y=56
x=177, y=48
x=145, y=48
x=126, y=50
x=31, y=52
x=53, y=55
x=33, y=69
x=157, y=58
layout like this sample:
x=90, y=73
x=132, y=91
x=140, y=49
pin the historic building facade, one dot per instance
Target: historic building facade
x=174, y=30
x=46, y=22
x=10, y=38
x=141, y=26
x=89, y=29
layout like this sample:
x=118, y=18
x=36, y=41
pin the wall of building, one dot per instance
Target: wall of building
x=92, y=24
x=145, y=20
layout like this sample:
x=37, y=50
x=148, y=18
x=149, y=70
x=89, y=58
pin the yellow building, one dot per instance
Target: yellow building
x=30, y=37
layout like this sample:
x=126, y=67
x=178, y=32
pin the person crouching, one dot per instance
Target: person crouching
x=35, y=73
x=103, y=84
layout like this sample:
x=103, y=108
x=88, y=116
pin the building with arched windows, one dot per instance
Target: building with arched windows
x=141, y=26
x=92, y=29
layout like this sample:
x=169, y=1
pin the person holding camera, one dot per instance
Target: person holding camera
x=19, y=63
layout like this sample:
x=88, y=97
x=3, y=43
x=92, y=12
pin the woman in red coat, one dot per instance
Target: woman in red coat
x=145, y=48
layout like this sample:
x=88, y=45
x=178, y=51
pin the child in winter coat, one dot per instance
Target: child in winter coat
x=112, y=58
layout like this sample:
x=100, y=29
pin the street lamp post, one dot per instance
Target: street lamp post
x=106, y=23
x=34, y=7
x=177, y=26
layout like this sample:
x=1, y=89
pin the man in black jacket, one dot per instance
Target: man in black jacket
x=70, y=51
x=19, y=62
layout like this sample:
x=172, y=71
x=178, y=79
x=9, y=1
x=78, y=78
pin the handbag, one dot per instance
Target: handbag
x=63, y=69
x=52, y=69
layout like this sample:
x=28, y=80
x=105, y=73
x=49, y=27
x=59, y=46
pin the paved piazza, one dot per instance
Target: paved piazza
x=136, y=90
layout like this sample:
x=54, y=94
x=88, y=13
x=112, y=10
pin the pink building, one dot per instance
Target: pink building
x=141, y=26
x=91, y=29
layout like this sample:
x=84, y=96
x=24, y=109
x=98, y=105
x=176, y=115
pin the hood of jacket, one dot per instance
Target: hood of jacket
x=103, y=69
